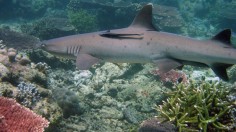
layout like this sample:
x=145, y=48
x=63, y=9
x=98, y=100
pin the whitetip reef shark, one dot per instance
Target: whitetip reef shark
x=141, y=42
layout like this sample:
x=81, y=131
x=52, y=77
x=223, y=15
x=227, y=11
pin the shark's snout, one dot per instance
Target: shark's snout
x=53, y=47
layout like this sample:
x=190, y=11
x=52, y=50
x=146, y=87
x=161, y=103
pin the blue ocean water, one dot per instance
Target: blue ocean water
x=117, y=96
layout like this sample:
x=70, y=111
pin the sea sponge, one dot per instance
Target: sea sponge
x=3, y=58
x=11, y=54
x=24, y=60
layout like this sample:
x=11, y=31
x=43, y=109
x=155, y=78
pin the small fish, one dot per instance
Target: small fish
x=141, y=42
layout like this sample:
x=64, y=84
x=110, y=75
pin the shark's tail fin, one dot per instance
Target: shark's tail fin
x=220, y=70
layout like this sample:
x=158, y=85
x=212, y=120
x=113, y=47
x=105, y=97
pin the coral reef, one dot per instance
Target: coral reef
x=204, y=106
x=82, y=77
x=155, y=125
x=17, y=40
x=232, y=73
x=41, y=56
x=167, y=18
x=15, y=68
x=28, y=8
x=3, y=71
x=103, y=100
x=224, y=14
x=26, y=81
x=170, y=78
x=111, y=97
x=49, y=27
x=82, y=20
x=107, y=13
x=68, y=102
x=27, y=94
x=14, y=117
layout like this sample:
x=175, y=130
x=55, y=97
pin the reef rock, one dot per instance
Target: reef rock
x=167, y=18
x=49, y=27
x=17, y=40
x=155, y=125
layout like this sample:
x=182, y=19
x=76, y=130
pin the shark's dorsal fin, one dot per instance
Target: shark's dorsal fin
x=224, y=36
x=144, y=18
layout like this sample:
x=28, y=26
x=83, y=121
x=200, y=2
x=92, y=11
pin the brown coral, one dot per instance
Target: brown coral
x=171, y=77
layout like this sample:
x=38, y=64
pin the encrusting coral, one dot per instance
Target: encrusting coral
x=204, y=106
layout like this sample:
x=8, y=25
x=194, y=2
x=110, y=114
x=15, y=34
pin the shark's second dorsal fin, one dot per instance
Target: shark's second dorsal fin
x=224, y=36
x=144, y=18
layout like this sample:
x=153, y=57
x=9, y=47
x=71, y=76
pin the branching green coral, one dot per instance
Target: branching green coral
x=195, y=107
x=82, y=20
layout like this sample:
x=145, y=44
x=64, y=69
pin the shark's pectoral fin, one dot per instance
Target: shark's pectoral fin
x=85, y=61
x=166, y=65
x=220, y=70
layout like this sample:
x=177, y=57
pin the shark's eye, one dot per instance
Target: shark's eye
x=42, y=45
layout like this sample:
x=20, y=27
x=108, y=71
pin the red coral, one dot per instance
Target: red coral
x=16, y=118
x=171, y=77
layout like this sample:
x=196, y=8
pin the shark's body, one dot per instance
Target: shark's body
x=142, y=43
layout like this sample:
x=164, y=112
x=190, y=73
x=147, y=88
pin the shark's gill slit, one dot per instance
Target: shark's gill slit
x=67, y=50
x=77, y=49
x=70, y=50
x=73, y=49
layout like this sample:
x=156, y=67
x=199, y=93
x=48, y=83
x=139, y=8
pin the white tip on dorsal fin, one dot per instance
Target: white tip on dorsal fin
x=144, y=18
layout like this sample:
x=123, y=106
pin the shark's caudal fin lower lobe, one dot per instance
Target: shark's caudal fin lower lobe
x=220, y=70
